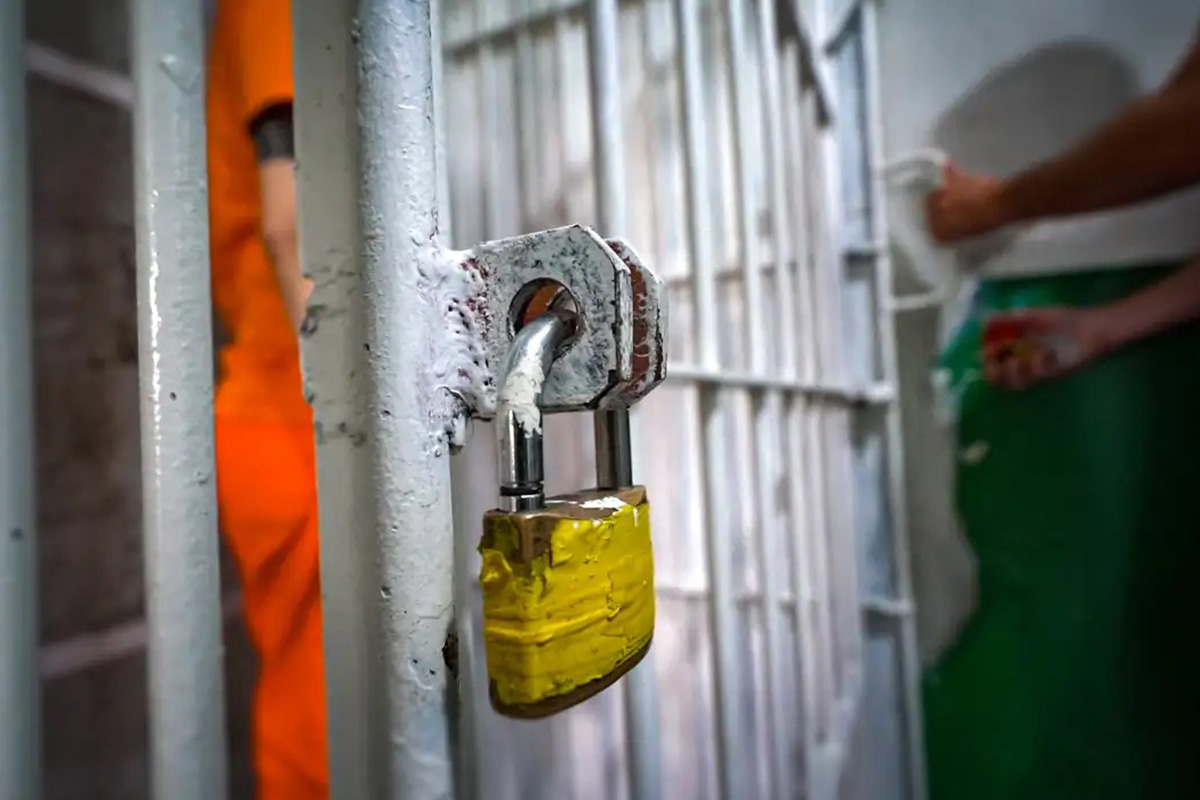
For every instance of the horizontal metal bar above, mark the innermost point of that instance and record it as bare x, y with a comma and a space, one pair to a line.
86, 651
73, 73
862, 251
873, 395
887, 607
914, 302
494, 31
786, 600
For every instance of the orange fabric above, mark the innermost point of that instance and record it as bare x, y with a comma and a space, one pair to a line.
266, 474
250, 68
266, 489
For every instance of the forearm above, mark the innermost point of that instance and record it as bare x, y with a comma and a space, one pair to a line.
293, 286
1148, 151
1171, 302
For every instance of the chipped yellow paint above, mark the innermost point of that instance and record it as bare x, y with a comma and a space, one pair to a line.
568, 598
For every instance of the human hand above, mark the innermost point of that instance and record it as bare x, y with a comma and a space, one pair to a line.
1027, 347
967, 205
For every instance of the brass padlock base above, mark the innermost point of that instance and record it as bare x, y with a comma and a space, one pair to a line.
568, 599
553, 705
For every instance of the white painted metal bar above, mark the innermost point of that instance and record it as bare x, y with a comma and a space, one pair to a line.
529, 131
877, 394
462, 702
732, 757
767, 410
327, 141
840, 25
408, 417
781, 222
183, 601
814, 434
614, 455
20, 690
800, 479
501, 26
63, 70
85, 651
839, 464
911, 665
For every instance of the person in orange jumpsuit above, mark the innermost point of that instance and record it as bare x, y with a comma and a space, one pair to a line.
266, 472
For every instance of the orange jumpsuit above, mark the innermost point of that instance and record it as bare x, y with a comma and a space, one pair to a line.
266, 478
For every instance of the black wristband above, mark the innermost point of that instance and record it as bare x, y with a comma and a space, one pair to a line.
273, 133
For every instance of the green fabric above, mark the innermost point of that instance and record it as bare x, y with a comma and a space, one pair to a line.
1077, 678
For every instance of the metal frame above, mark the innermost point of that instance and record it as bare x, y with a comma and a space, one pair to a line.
798, 388
183, 601
384, 424
612, 429
20, 690
860, 18
387, 549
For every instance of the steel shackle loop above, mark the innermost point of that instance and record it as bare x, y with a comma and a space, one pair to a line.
519, 408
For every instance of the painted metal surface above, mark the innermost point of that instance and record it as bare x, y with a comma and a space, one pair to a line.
526, 152
732, 754
612, 429
20, 694
330, 250
910, 669
598, 282
767, 410
410, 415
187, 725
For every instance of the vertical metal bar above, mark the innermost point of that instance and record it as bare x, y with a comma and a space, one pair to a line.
780, 223
786, 305
405, 440
719, 525
327, 194
462, 707
803, 502
183, 603
613, 435
911, 665
367, 131
20, 690
818, 373
768, 411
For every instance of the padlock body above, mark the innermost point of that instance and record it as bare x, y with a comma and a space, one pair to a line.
568, 598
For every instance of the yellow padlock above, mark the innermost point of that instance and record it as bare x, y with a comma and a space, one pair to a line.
568, 598
568, 582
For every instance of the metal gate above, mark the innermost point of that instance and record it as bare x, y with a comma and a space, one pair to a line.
732, 142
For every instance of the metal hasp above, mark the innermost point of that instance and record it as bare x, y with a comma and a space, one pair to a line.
183, 606
616, 355
20, 693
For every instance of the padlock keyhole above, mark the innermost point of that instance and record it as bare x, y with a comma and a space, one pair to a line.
538, 297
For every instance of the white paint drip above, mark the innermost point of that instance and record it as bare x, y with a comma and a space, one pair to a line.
611, 502
458, 358
520, 393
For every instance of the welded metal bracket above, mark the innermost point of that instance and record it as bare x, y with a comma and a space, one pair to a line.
617, 353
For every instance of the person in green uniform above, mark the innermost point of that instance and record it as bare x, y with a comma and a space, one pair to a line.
1149, 150
1077, 677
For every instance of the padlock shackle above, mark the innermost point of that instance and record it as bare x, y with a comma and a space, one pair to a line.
519, 408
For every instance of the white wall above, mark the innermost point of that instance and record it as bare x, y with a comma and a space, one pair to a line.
1007, 83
